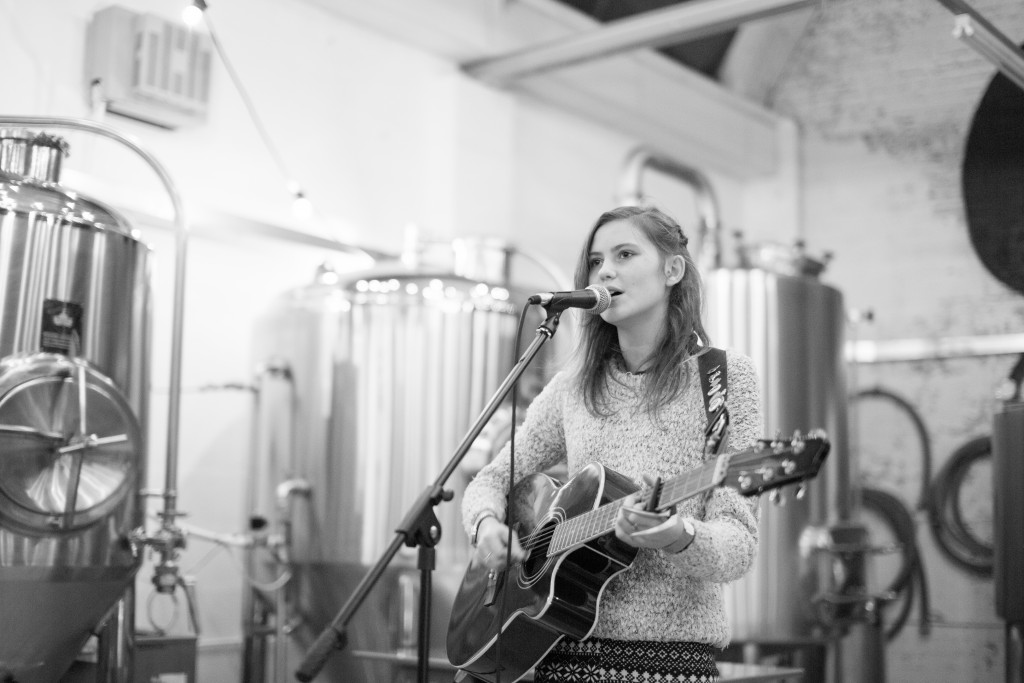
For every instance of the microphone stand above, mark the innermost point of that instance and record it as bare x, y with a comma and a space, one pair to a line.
419, 529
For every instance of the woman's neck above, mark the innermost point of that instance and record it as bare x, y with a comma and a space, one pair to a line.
635, 352
638, 339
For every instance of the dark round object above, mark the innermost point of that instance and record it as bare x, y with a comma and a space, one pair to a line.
993, 181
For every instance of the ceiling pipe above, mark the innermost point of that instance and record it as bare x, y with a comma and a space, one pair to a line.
972, 28
668, 26
631, 194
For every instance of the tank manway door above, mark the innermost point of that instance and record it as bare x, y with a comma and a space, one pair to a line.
68, 445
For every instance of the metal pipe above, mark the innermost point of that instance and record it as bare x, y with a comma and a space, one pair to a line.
897, 350
992, 45
285, 492
631, 193
671, 25
970, 26
170, 494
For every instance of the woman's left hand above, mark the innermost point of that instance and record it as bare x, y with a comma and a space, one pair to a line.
642, 529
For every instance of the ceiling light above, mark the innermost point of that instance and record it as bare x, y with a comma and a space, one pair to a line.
193, 13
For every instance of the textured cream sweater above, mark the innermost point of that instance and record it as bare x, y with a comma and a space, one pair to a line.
661, 597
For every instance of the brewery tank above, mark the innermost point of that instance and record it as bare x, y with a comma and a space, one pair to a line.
74, 354
774, 308
387, 370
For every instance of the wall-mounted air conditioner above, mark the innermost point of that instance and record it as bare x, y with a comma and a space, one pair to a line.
148, 68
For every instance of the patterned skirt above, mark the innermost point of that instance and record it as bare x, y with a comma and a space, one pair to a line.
601, 660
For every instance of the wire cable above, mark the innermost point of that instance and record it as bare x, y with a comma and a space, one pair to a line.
246, 100
293, 187
511, 480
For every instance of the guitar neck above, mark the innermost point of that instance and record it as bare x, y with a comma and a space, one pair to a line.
600, 521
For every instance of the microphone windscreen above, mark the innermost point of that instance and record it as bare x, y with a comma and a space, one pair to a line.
604, 299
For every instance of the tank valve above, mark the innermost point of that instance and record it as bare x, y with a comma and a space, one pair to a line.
167, 542
165, 576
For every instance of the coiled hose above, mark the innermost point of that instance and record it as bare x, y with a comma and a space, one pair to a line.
911, 576
911, 571
966, 550
954, 537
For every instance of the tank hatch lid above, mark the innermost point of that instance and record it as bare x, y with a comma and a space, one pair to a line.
32, 155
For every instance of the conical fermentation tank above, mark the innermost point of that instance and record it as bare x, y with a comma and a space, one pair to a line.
388, 370
774, 308
74, 336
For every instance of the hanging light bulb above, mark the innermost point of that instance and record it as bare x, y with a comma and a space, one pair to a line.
301, 206
193, 13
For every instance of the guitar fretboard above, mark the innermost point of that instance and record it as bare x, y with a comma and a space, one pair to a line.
596, 523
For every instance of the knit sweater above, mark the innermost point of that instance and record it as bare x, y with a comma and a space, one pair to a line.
662, 597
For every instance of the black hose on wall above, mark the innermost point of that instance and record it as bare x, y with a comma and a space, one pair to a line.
940, 499
911, 573
924, 499
911, 576
954, 537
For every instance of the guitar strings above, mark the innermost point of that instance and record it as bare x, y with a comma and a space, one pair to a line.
608, 511
604, 514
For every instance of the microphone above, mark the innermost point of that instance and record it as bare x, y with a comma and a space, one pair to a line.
594, 299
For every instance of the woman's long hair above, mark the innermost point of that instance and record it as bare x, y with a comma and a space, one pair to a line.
682, 335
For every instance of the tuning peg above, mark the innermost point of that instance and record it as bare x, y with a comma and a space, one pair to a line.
801, 491
797, 442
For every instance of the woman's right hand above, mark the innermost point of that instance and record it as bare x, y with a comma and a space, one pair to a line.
491, 544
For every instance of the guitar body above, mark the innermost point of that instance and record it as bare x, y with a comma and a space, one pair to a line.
546, 597
506, 622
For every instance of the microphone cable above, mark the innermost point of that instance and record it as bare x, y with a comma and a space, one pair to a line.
520, 326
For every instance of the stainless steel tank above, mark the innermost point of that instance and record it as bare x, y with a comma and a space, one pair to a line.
778, 312
388, 370
74, 352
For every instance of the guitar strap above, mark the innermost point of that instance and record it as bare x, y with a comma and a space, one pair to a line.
714, 382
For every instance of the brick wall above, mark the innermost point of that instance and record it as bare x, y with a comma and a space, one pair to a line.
885, 97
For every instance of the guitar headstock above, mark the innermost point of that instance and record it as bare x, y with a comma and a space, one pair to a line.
774, 463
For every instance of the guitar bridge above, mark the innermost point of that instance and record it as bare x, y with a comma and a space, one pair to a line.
491, 592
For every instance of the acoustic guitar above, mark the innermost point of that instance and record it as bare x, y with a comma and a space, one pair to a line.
508, 621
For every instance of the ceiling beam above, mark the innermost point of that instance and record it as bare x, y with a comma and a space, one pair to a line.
640, 94
671, 25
